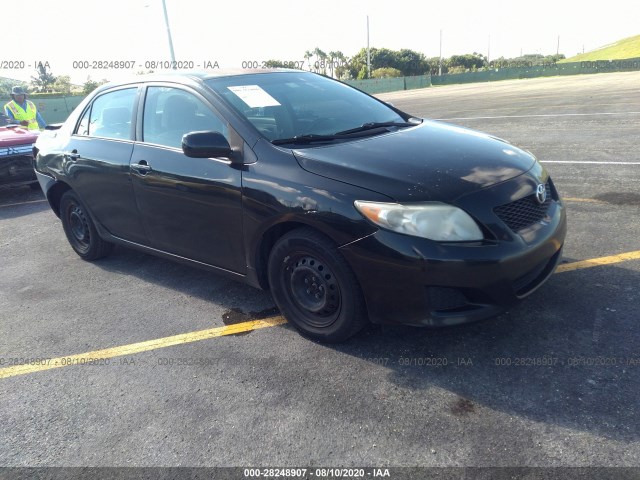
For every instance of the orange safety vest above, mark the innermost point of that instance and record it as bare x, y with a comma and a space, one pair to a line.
29, 115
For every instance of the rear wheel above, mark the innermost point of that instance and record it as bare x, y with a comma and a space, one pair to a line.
314, 287
80, 230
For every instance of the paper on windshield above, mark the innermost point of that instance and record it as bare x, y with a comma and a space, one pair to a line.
254, 96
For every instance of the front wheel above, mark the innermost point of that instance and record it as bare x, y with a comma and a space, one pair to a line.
314, 287
80, 230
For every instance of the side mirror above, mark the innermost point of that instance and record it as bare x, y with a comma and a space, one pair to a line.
206, 145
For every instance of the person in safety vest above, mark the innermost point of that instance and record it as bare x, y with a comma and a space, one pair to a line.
22, 111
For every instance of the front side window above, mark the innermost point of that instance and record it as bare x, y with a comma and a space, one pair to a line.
109, 116
169, 113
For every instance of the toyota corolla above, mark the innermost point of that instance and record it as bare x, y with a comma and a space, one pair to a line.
347, 209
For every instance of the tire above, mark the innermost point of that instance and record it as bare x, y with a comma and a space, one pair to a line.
80, 230
314, 287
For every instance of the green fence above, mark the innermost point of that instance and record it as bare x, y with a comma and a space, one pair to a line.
533, 71
382, 85
53, 108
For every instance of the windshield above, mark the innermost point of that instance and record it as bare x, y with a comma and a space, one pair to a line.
284, 105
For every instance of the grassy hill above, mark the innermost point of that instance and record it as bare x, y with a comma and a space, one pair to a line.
625, 48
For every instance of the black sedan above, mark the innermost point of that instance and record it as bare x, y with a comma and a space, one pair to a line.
347, 209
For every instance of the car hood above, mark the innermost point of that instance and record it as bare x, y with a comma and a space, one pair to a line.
431, 161
16, 136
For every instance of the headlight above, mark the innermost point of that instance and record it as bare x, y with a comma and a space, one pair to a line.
435, 221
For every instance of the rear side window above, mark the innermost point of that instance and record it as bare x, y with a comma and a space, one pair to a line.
109, 116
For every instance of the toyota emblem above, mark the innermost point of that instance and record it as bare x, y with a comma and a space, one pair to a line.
541, 194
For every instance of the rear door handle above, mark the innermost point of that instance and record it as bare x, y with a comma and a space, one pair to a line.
73, 155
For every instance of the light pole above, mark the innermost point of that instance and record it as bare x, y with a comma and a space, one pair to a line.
368, 51
166, 22
440, 64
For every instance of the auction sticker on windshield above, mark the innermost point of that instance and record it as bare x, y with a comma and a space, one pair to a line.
254, 96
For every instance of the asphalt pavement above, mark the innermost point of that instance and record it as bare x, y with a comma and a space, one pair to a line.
554, 382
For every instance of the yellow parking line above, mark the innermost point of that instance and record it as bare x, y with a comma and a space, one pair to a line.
597, 262
84, 358
584, 200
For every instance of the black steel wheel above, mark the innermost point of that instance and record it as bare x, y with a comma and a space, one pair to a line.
314, 287
80, 230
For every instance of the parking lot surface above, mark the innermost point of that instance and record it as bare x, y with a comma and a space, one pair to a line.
553, 382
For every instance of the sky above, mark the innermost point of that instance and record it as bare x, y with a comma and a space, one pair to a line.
72, 34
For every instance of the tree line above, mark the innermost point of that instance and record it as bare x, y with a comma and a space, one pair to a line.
385, 63
405, 62
45, 82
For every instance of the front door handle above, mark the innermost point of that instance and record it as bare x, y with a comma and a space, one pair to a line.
142, 167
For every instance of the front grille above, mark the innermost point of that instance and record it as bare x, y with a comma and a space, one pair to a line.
16, 165
17, 150
524, 212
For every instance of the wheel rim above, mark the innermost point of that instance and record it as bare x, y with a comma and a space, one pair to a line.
314, 290
79, 227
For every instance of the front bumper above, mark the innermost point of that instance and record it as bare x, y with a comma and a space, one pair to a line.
414, 281
16, 169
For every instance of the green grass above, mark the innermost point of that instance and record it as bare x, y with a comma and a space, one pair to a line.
625, 48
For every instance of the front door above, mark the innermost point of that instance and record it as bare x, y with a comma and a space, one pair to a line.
191, 207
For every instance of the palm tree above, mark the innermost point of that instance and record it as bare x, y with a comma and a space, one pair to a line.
333, 56
322, 57
307, 56
44, 80
342, 64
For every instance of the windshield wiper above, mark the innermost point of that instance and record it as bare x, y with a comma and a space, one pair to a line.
311, 137
375, 125
354, 132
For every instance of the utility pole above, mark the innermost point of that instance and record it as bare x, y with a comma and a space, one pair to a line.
368, 51
558, 47
166, 22
440, 65
489, 48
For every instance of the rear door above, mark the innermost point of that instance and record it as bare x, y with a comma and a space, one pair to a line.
191, 207
97, 162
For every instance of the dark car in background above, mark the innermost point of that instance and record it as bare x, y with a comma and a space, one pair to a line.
347, 209
16, 155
